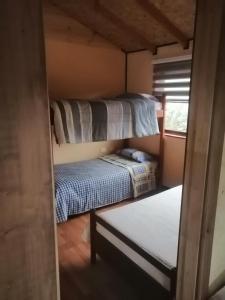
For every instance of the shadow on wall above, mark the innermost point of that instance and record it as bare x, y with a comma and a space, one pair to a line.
174, 155
67, 153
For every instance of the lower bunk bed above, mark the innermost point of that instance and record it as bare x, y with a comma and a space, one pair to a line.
141, 240
83, 186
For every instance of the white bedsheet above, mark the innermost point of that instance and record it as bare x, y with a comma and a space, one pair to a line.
152, 224
158, 105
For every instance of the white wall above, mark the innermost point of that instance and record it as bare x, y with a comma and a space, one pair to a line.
139, 71
67, 153
78, 70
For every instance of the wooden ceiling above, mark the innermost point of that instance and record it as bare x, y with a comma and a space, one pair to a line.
131, 24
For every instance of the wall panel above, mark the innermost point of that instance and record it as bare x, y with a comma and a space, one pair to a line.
27, 224
78, 70
217, 270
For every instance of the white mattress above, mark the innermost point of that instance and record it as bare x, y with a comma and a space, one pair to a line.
152, 224
158, 105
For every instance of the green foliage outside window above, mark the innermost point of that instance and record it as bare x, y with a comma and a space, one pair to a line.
176, 116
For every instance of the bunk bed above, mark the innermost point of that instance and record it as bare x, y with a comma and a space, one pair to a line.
126, 116
83, 186
141, 239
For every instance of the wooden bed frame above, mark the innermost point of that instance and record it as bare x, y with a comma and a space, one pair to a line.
160, 157
146, 285
161, 121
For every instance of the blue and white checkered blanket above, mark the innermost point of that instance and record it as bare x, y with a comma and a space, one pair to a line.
82, 186
86, 185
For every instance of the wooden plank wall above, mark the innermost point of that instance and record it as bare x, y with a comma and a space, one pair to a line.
203, 153
28, 268
214, 172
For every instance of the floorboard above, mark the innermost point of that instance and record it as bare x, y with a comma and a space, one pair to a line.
80, 280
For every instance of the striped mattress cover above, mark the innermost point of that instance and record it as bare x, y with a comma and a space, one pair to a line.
129, 116
86, 185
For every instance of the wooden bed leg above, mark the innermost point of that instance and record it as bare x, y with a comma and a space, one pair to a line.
162, 136
92, 234
173, 284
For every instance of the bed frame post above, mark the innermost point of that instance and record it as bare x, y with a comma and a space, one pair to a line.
162, 133
173, 283
204, 164
92, 234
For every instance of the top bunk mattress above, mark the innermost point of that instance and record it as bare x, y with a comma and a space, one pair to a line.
127, 116
152, 224
158, 105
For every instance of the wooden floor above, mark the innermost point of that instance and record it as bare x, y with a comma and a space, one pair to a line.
79, 279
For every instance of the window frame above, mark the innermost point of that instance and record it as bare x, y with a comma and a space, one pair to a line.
177, 134
169, 132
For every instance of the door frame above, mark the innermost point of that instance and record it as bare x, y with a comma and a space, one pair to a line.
204, 150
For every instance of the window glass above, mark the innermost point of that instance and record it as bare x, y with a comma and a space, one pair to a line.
176, 116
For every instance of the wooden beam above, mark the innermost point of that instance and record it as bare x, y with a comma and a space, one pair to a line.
28, 268
125, 73
156, 14
74, 15
129, 29
203, 153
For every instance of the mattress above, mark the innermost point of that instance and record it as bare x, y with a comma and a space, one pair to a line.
82, 186
100, 119
153, 225
158, 105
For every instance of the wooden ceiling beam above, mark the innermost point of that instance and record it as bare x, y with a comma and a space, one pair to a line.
76, 17
156, 14
130, 30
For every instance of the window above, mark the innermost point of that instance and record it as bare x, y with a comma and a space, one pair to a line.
173, 79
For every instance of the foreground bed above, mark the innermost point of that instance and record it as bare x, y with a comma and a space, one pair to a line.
86, 185
141, 239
